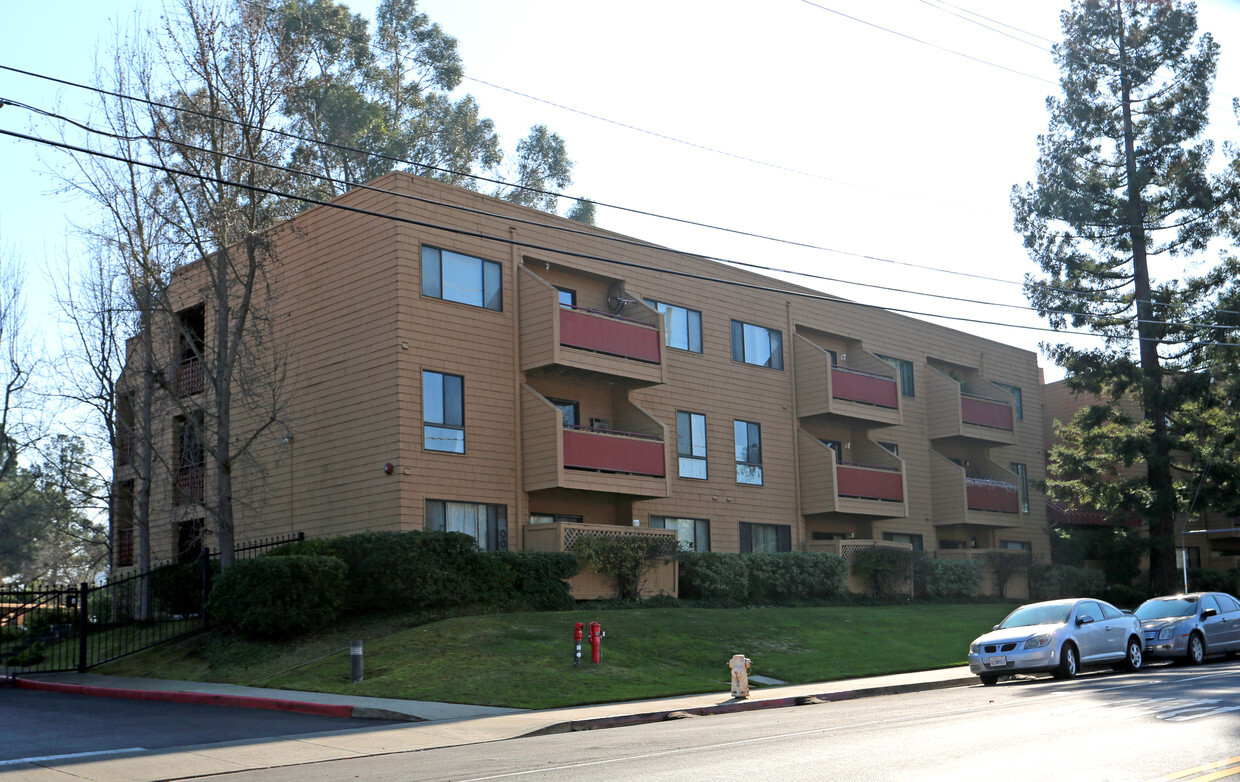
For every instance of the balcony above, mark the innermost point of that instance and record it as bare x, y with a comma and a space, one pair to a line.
190, 377
987, 495
588, 584
124, 446
827, 486
553, 335
630, 460
190, 488
956, 414
824, 388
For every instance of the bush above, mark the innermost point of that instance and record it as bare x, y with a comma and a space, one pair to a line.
278, 597
177, 589
884, 569
1202, 580
722, 579
1049, 582
948, 577
625, 558
534, 580
1006, 564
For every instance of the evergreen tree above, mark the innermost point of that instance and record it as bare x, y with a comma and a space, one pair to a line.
1122, 185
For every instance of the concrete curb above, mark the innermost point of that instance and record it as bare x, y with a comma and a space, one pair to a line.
734, 706
212, 699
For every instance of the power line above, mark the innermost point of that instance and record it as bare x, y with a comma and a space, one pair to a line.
560, 250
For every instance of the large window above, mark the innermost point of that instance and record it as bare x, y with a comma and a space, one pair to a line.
748, 452
905, 368
1022, 481
683, 326
443, 412
570, 412
487, 524
455, 277
1018, 405
693, 534
691, 444
900, 537
757, 345
190, 485
764, 538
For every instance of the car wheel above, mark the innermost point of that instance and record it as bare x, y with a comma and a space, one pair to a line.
1196, 650
988, 679
1132, 660
1068, 662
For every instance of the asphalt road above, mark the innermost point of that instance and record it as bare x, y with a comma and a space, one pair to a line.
43, 724
1102, 727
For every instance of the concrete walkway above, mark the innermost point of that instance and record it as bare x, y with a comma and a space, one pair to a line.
431, 726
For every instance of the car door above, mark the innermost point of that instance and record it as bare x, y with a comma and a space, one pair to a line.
1091, 632
1215, 628
1229, 609
1118, 628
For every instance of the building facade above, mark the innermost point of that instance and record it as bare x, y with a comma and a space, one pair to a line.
452, 361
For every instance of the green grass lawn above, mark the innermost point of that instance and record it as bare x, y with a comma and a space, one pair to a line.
525, 660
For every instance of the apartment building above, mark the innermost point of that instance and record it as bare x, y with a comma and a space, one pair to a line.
452, 361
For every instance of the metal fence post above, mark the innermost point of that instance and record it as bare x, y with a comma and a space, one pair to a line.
83, 622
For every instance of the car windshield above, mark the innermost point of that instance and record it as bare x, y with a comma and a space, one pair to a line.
1166, 609
1025, 616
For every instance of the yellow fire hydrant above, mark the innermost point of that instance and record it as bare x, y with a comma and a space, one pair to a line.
740, 675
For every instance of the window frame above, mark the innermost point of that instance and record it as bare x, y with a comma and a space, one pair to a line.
701, 531
753, 439
490, 273
692, 455
1018, 405
745, 536
1022, 484
692, 326
495, 537
741, 338
916, 540
905, 372
564, 406
443, 425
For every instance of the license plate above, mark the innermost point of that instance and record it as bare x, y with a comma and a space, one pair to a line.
996, 661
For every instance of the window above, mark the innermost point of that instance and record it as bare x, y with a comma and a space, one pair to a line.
691, 444
748, 452
570, 411
1194, 557
693, 534
838, 447
905, 368
462, 278
1022, 482
893, 447
756, 345
1089, 609
683, 326
1016, 545
1227, 604
122, 523
189, 540
443, 412
1018, 408
191, 340
190, 485
764, 538
549, 518
568, 297
816, 535
487, 524
900, 537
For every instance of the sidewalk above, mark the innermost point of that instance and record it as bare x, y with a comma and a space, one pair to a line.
431, 726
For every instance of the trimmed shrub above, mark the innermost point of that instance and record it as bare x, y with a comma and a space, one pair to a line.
1202, 580
534, 580
948, 577
177, 589
883, 569
722, 579
1049, 582
278, 597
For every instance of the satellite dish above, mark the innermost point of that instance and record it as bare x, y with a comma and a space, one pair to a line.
616, 300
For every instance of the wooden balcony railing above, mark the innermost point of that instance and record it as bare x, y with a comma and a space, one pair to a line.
190, 485
853, 385
984, 411
994, 496
612, 451
190, 377
869, 482
602, 333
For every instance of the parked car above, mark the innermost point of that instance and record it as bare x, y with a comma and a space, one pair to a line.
1059, 637
1186, 628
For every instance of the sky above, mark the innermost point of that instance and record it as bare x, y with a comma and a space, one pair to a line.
872, 144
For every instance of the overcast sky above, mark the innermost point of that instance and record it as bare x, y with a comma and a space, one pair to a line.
889, 131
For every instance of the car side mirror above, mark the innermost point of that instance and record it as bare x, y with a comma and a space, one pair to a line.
1209, 612
1084, 620
996, 627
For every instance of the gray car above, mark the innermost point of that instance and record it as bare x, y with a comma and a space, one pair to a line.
1060, 637
1186, 628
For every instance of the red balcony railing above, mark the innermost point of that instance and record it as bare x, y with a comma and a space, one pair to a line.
854, 386
190, 377
871, 483
593, 449
590, 330
983, 411
190, 485
994, 496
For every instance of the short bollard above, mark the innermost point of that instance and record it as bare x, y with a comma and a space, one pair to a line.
355, 662
740, 675
577, 633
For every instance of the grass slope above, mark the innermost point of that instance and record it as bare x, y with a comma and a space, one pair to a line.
525, 660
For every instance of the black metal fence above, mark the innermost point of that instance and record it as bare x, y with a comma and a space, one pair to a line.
48, 629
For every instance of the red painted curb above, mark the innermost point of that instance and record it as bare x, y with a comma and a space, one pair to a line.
211, 699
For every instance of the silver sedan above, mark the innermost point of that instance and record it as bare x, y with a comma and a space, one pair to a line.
1058, 636
1188, 627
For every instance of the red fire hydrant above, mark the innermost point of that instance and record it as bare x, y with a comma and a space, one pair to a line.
577, 633
596, 640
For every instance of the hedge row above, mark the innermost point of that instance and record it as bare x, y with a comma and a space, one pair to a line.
742, 579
